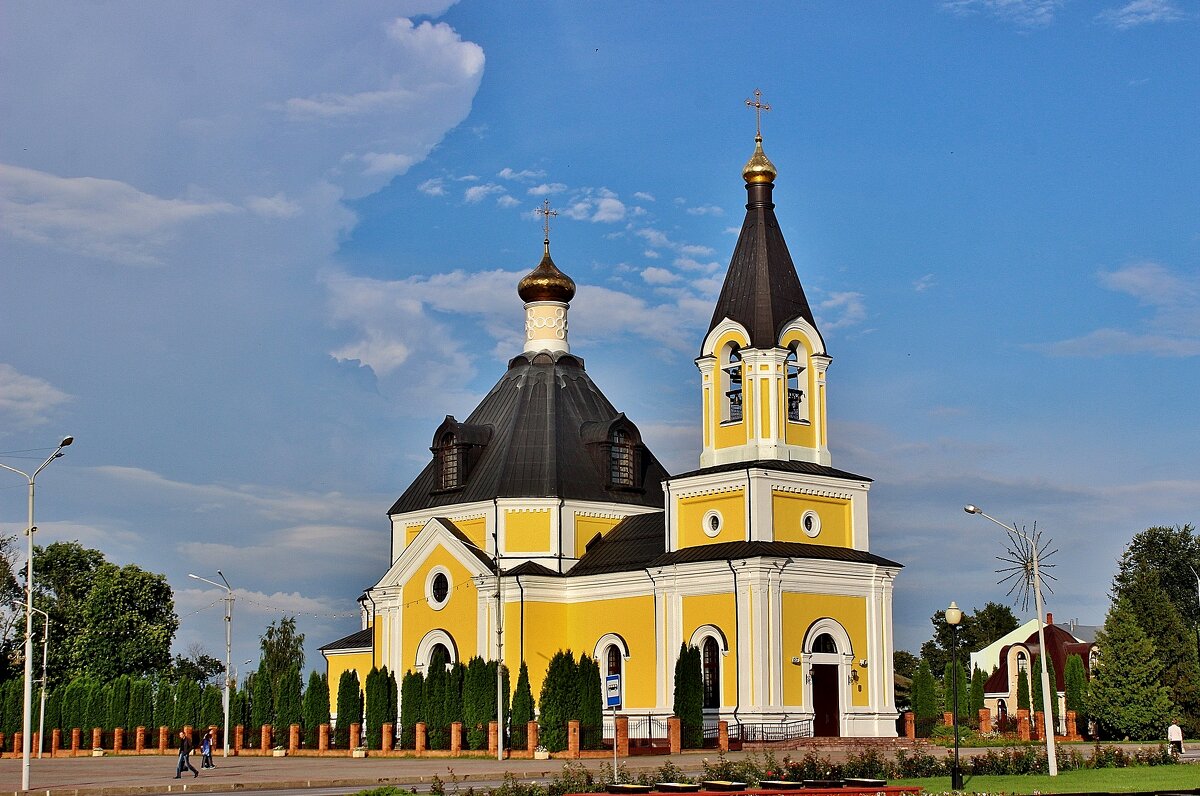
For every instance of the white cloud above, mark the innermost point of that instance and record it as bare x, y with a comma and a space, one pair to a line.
27, 400
691, 250
277, 206
705, 210
842, 309
106, 219
651, 254
643, 196
1022, 13
435, 186
547, 188
524, 174
659, 276
387, 163
1172, 328
507, 201
477, 193
924, 283
1140, 12
602, 208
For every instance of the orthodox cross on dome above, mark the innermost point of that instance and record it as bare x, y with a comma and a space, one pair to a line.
759, 106
545, 211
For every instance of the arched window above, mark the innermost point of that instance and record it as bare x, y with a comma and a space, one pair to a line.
450, 459
620, 458
824, 643
1022, 662
711, 671
796, 399
437, 650
612, 664
731, 384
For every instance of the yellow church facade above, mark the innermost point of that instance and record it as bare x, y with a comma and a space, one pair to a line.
542, 522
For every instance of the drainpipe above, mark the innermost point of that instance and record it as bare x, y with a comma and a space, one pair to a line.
522, 631
737, 634
654, 601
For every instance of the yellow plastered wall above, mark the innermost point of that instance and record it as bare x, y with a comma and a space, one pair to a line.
550, 627
459, 616
799, 612
411, 531
527, 531
717, 610
729, 434
691, 511
788, 508
587, 527
803, 434
338, 662
474, 529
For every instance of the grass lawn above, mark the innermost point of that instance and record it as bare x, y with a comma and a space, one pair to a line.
1112, 780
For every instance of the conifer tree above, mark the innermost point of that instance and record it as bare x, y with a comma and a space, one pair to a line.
924, 698
54, 711
437, 680
1127, 698
1075, 682
557, 701
349, 707
688, 704
453, 710
10, 708
97, 706
376, 705
288, 705
522, 710
164, 703
591, 702
475, 714
118, 703
1022, 690
316, 707
412, 707
141, 705
212, 709
976, 700
262, 702
392, 716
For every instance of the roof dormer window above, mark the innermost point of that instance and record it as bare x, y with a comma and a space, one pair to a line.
620, 458
449, 454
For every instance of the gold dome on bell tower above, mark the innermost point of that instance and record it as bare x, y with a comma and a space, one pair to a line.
546, 282
759, 168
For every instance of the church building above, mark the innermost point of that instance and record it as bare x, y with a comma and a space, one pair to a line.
542, 522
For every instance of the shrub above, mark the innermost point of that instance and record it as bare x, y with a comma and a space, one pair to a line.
522, 709
316, 707
349, 707
412, 707
557, 701
689, 697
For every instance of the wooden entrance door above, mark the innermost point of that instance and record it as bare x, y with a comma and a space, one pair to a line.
826, 710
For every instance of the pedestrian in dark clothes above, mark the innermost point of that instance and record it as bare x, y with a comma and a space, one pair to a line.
206, 746
185, 749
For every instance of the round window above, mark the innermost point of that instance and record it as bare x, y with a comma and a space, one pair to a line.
712, 523
811, 523
437, 588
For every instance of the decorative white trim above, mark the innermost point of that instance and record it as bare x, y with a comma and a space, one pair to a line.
810, 523
606, 641
707, 348
429, 579
811, 491
705, 631
426, 644
712, 523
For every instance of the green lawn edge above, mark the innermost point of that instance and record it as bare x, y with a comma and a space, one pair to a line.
1091, 780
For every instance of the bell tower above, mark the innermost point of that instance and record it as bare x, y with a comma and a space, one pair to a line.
763, 361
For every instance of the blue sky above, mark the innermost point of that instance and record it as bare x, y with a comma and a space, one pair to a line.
253, 253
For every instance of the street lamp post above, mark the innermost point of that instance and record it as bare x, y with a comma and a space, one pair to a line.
953, 617
1048, 725
30, 529
228, 600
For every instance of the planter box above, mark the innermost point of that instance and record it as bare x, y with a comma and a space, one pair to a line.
97, 753
541, 755
359, 753
862, 782
628, 787
279, 753
780, 784
723, 785
676, 787
823, 783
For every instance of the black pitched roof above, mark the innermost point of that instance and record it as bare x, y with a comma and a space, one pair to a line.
358, 640
761, 290
532, 568
807, 468
537, 413
638, 542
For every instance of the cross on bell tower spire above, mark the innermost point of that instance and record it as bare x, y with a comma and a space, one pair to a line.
759, 106
546, 213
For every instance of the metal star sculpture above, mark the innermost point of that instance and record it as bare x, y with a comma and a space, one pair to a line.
1019, 556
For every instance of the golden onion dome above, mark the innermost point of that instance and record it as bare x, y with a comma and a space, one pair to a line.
759, 168
546, 282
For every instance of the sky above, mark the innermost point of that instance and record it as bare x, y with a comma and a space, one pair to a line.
253, 253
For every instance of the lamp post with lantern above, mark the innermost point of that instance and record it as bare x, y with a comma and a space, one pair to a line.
954, 616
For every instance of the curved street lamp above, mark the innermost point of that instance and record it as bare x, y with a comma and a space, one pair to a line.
30, 529
228, 600
1047, 714
954, 615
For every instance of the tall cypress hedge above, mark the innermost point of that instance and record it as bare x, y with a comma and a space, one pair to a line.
924, 699
557, 701
689, 697
316, 707
522, 709
1022, 690
376, 706
164, 703
262, 702
437, 680
475, 692
393, 709
591, 702
1076, 691
288, 701
412, 707
349, 707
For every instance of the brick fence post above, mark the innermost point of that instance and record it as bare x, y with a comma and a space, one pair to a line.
162, 740
674, 735
264, 740
139, 740
621, 735
1039, 726
531, 736
985, 720
55, 742
323, 738
1072, 728
422, 738
293, 738
118, 738
493, 738
18, 747
910, 725
239, 738
355, 735
456, 735
722, 736
1023, 725
389, 737
76, 739
97, 738
573, 738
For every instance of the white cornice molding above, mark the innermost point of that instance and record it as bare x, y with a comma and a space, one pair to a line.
726, 325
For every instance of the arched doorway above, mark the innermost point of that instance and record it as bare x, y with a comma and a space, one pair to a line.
827, 658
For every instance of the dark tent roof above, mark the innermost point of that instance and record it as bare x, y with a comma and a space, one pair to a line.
761, 289
639, 542
537, 413
1062, 645
355, 641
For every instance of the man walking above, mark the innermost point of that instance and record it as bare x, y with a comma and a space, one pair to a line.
1175, 737
185, 749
